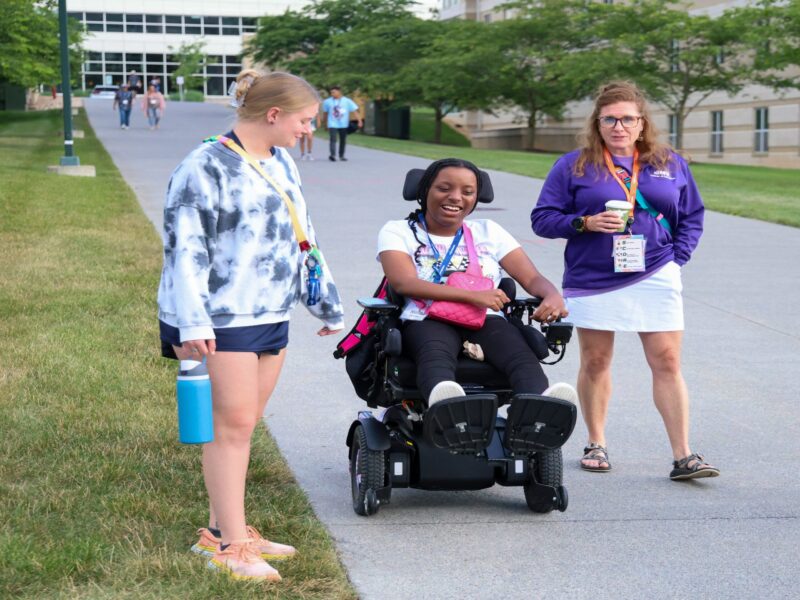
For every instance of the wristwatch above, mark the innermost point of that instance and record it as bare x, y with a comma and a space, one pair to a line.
579, 224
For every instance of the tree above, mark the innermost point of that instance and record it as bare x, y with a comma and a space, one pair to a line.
445, 66
772, 32
29, 43
681, 58
552, 52
191, 59
293, 40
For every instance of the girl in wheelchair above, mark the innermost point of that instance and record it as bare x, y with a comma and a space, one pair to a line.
419, 253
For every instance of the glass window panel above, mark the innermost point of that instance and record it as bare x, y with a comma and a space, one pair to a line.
134, 18
233, 69
155, 68
174, 29
78, 16
214, 69
94, 16
230, 31
94, 56
192, 20
214, 86
172, 68
134, 28
249, 23
114, 27
210, 20
173, 19
115, 56
151, 58
94, 66
94, 26
154, 18
114, 67
191, 30
114, 17
171, 58
133, 57
214, 58
233, 59
230, 21
211, 30
154, 29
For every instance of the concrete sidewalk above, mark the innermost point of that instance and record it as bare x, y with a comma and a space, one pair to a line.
631, 533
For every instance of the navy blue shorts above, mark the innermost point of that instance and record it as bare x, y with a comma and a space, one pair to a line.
261, 339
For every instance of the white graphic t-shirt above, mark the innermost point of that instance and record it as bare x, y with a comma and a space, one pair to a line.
492, 244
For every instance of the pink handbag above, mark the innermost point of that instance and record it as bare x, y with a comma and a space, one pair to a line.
461, 314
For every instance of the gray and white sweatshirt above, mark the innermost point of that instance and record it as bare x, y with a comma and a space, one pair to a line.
231, 258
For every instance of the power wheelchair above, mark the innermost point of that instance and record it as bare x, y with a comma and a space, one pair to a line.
459, 443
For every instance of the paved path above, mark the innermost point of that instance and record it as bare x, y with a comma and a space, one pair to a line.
628, 534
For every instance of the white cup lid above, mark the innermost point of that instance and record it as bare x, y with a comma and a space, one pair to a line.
618, 205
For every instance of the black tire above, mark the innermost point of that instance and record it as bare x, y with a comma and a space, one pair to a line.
367, 472
547, 466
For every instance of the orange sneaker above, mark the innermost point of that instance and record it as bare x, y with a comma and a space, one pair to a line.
208, 545
270, 550
242, 560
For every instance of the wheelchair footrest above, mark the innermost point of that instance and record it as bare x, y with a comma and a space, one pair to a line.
538, 422
464, 424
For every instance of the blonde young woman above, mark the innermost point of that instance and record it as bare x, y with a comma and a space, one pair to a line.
233, 271
626, 280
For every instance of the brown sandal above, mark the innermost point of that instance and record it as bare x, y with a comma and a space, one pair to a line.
596, 452
693, 466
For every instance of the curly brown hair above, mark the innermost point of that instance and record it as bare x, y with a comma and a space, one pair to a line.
651, 150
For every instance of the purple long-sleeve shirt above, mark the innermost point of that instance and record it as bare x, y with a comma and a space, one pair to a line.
588, 263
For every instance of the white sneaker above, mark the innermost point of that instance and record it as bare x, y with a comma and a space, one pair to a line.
444, 390
309, 157
562, 391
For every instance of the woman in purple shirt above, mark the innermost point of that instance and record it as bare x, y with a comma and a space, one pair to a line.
622, 271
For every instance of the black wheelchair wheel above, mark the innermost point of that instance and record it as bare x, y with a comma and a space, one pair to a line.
547, 466
367, 472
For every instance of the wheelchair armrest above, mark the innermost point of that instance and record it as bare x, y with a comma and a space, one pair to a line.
377, 305
533, 301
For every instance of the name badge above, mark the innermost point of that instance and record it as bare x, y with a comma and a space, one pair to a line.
628, 253
415, 310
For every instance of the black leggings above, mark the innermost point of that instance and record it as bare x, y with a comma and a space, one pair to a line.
434, 346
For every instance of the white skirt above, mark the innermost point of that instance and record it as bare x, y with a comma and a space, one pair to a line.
653, 304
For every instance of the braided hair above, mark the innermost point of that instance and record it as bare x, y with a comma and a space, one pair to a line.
425, 186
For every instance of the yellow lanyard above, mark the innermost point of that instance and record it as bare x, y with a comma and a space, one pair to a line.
630, 193
305, 246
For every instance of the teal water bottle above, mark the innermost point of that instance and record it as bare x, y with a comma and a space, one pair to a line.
195, 421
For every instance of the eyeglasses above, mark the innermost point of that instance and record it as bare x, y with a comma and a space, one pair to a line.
628, 121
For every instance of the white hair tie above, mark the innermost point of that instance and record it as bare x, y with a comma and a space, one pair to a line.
239, 102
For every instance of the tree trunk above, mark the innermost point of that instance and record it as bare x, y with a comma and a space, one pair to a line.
437, 130
680, 117
532, 130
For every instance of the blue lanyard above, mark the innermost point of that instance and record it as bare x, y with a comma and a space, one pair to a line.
438, 273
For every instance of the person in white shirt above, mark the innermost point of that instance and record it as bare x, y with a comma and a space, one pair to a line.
337, 111
411, 251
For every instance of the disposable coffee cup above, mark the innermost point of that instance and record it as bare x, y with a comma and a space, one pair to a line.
622, 208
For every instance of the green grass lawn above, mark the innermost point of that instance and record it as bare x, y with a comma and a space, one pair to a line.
97, 498
756, 192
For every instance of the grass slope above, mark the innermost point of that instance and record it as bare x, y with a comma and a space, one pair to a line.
97, 498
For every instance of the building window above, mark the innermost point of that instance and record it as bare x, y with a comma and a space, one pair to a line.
174, 24
154, 23
191, 25
133, 23
114, 22
248, 24
762, 129
716, 132
673, 130
231, 26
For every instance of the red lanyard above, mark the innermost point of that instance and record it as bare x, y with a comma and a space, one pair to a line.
630, 193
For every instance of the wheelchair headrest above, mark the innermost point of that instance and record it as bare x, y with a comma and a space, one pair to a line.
414, 177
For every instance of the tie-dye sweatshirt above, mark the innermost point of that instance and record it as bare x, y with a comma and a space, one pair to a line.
231, 258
